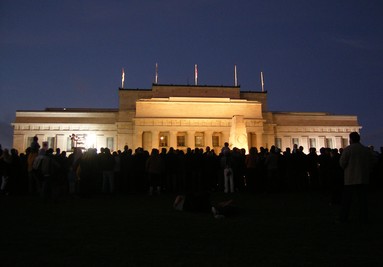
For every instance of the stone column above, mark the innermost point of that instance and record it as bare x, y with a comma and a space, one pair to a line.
286, 142
208, 139
305, 144
138, 140
42, 139
225, 137
173, 139
259, 137
61, 141
100, 142
19, 144
190, 139
322, 142
338, 142
155, 139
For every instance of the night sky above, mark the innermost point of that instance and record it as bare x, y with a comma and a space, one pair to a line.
324, 56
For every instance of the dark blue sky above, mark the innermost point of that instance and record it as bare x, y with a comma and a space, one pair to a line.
315, 55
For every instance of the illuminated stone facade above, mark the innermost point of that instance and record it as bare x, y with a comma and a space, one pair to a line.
182, 116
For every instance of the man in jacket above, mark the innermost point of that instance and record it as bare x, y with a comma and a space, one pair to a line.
357, 161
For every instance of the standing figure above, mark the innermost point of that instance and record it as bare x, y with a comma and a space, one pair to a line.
357, 161
226, 163
154, 169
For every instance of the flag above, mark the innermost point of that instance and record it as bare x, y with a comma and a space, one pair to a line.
156, 78
195, 74
235, 76
262, 82
122, 78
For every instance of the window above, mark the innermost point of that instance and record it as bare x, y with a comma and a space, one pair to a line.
181, 141
215, 141
278, 142
329, 143
110, 143
312, 142
51, 142
29, 141
163, 140
296, 141
199, 141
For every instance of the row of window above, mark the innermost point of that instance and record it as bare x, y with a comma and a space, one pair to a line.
82, 141
199, 140
312, 142
85, 141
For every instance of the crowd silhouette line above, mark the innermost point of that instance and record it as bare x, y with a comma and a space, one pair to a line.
53, 174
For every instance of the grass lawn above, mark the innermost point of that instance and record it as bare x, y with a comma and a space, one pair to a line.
138, 230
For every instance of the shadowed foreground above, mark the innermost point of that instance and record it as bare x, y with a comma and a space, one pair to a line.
138, 230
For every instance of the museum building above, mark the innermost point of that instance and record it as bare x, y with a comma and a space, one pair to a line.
182, 116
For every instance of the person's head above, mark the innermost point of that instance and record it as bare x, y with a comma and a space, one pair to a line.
49, 152
354, 138
155, 152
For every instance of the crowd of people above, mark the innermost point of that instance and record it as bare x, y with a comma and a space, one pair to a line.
52, 174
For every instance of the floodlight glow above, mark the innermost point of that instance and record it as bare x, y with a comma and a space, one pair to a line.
91, 141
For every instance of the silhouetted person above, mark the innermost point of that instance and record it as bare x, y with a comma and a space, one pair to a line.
312, 168
336, 178
154, 169
272, 165
5, 171
324, 161
49, 168
126, 182
35, 146
357, 161
252, 162
87, 172
171, 171
107, 164
226, 164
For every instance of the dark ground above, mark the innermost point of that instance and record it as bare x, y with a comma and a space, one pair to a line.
138, 230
